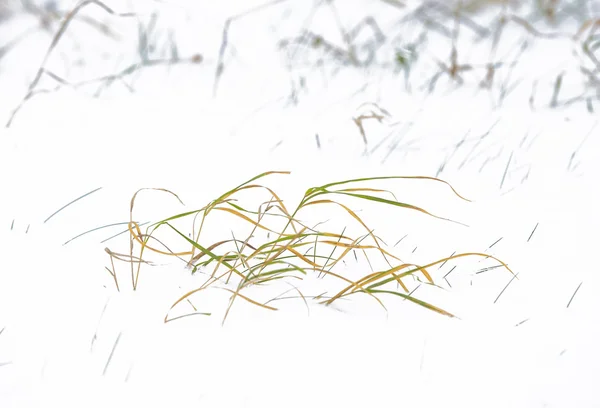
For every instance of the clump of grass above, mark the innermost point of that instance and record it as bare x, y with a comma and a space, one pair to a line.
291, 250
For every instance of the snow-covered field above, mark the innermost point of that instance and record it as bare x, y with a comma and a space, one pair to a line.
198, 97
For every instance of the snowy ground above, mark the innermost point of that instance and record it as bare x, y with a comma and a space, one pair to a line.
524, 149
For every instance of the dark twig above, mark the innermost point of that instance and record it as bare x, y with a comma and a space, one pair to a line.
531, 235
112, 352
498, 240
574, 293
506, 170
509, 282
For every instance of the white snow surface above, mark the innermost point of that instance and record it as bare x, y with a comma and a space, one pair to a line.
68, 338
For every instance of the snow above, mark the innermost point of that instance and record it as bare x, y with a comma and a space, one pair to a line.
69, 339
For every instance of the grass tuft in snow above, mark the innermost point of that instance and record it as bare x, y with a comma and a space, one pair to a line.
290, 251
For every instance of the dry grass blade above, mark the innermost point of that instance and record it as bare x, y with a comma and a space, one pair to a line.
417, 301
392, 178
142, 239
245, 218
395, 203
355, 245
135, 275
237, 293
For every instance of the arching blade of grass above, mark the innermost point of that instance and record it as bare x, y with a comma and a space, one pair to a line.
415, 300
93, 230
247, 299
280, 297
181, 299
245, 218
167, 319
325, 186
272, 204
267, 173
72, 202
371, 190
375, 276
390, 202
137, 236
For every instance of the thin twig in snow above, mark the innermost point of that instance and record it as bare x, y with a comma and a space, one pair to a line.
531, 235
112, 352
509, 282
574, 293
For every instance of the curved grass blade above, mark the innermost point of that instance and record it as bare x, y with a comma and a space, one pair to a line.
417, 301
393, 178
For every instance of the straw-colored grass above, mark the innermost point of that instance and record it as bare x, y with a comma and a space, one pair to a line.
291, 250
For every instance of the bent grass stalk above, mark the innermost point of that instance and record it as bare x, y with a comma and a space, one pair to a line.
296, 249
